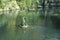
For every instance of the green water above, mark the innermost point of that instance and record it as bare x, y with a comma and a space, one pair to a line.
38, 27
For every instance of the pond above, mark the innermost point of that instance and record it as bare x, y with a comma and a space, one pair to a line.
39, 27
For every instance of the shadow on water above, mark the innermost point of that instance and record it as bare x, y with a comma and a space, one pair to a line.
3, 31
56, 22
55, 18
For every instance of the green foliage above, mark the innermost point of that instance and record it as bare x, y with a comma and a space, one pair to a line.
1, 4
23, 3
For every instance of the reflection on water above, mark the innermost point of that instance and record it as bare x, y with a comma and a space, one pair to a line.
40, 27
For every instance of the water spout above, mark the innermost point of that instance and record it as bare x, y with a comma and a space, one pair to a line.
24, 23
23, 20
